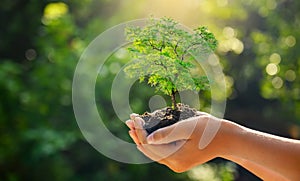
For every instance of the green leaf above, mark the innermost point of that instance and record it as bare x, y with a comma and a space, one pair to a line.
162, 49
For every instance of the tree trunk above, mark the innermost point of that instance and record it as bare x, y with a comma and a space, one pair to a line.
173, 97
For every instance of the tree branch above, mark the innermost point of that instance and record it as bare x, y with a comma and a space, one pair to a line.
185, 51
161, 64
175, 49
154, 47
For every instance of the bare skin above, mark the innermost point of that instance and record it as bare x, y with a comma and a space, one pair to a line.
267, 156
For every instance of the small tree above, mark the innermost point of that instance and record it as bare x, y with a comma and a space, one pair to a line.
162, 52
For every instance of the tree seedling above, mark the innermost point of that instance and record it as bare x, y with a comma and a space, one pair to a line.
162, 51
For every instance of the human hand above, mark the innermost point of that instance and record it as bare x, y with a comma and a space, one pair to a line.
176, 146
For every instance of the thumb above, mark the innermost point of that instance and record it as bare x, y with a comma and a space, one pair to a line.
179, 131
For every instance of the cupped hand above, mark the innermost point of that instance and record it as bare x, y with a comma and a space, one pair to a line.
176, 146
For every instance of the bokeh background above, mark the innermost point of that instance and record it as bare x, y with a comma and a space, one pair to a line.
41, 42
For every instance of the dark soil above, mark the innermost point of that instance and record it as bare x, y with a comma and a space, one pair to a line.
167, 116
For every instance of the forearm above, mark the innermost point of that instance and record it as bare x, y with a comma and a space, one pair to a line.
260, 171
277, 154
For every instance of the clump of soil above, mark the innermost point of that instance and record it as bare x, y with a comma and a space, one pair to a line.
167, 116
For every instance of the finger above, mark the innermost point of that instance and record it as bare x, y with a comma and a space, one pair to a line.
161, 152
148, 153
140, 132
165, 150
133, 115
134, 137
179, 131
130, 124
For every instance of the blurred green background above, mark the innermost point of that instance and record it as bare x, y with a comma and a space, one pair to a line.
40, 45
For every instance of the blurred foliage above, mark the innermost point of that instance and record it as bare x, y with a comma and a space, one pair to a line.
41, 42
213, 172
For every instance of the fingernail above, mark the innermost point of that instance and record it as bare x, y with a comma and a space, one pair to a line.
133, 115
127, 122
130, 132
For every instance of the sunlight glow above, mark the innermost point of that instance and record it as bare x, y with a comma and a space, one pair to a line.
272, 69
277, 82
290, 41
53, 11
203, 172
275, 58
229, 32
232, 44
271, 4
290, 75
222, 3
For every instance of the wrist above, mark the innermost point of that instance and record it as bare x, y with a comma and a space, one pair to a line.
226, 138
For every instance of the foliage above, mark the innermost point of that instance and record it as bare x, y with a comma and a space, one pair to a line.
276, 50
213, 172
162, 52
